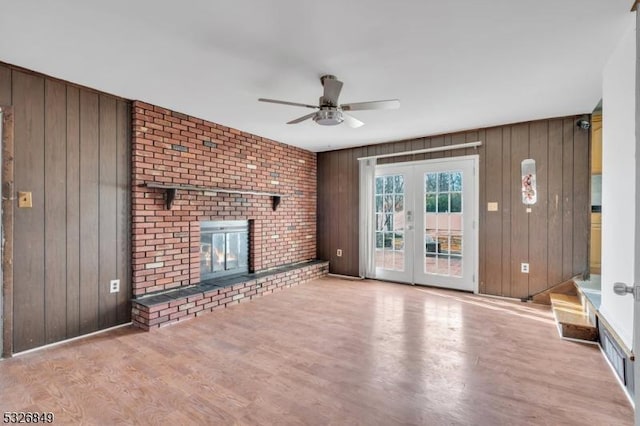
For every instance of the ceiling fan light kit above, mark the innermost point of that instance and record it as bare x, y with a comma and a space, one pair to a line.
330, 113
328, 117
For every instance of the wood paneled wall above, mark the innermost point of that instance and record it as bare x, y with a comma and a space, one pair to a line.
72, 152
553, 238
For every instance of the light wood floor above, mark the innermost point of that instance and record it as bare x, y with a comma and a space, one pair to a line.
328, 352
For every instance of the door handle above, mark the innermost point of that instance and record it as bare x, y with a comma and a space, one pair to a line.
621, 289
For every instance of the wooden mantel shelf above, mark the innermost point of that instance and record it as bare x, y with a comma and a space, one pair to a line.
172, 190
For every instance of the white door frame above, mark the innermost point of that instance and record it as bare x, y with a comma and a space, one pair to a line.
475, 204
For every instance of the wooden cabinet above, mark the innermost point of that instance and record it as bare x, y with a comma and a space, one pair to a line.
596, 243
596, 218
596, 145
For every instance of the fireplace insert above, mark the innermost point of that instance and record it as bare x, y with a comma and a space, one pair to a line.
224, 248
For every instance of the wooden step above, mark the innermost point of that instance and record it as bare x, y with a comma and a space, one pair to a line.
573, 322
566, 287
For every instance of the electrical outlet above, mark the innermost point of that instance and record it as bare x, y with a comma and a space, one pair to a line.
24, 200
114, 286
524, 268
339, 252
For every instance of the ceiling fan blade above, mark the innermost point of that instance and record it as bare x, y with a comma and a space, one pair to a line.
274, 101
359, 106
332, 88
301, 119
352, 121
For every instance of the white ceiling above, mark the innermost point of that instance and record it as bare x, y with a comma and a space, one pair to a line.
454, 65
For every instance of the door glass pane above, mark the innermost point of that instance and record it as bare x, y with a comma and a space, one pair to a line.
388, 185
390, 217
442, 265
388, 240
398, 184
379, 185
379, 222
443, 243
443, 202
455, 265
388, 203
388, 222
398, 251
398, 241
431, 182
443, 182
399, 203
379, 240
431, 203
456, 202
443, 237
455, 181
456, 245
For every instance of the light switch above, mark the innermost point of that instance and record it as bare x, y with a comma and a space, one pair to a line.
492, 207
24, 200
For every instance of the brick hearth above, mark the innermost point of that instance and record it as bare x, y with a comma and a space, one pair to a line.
155, 311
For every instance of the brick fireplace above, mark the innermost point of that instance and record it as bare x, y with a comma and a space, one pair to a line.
224, 248
171, 148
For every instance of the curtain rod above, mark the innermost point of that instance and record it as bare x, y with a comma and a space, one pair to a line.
425, 150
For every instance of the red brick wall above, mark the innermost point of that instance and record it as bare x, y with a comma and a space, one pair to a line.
169, 147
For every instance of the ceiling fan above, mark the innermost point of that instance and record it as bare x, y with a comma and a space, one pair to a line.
329, 112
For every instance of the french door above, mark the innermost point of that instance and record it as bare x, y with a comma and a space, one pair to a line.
424, 224
393, 210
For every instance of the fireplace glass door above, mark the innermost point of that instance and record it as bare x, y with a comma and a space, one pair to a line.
224, 248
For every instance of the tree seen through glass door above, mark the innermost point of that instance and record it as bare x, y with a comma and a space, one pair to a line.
390, 226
